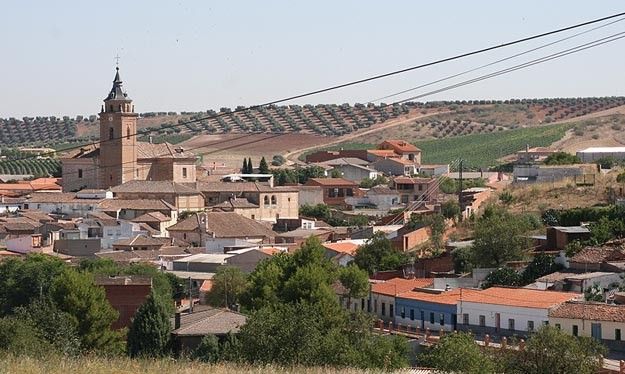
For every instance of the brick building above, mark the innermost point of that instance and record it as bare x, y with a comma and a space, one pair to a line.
125, 294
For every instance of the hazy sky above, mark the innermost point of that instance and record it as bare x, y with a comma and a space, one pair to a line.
58, 56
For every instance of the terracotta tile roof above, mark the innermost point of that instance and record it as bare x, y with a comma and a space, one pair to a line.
59, 197
123, 280
37, 216
207, 285
220, 186
211, 321
109, 205
330, 182
411, 180
397, 160
446, 297
400, 146
137, 186
270, 250
235, 203
382, 152
345, 247
224, 225
519, 297
394, 286
589, 311
152, 217
141, 240
162, 150
610, 251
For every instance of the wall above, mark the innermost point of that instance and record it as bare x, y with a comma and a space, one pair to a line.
74, 209
448, 312
77, 247
24, 244
520, 315
311, 195
71, 180
247, 261
379, 299
354, 173
193, 203
286, 206
126, 299
412, 239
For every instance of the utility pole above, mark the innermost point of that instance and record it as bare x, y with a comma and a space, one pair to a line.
190, 297
460, 202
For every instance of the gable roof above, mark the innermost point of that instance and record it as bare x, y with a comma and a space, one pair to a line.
589, 311
224, 225
138, 186
342, 247
411, 180
382, 152
152, 217
112, 205
162, 150
520, 297
394, 286
610, 251
450, 297
141, 240
330, 182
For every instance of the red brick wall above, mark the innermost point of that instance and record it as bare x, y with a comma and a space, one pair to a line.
126, 299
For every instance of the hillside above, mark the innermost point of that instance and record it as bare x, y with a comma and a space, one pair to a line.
461, 118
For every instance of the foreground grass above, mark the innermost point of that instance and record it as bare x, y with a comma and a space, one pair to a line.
124, 365
483, 150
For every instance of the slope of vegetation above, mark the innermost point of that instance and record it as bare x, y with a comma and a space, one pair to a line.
483, 150
39, 167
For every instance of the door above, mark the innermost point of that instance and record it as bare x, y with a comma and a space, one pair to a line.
454, 322
497, 321
422, 320
595, 331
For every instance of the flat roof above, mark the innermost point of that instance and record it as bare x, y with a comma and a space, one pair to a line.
572, 229
603, 150
218, 258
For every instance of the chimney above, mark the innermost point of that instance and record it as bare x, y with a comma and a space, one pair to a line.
150, 137
177, 321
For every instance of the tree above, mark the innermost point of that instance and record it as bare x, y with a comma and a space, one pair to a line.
250, 166
355, 281
504, 276
499, 237
436, 223
450, 209
227, 286
550, 350
75, 294
19, 337
562, 158
593, 293
245, 168
150, 330
208, 350
368, 182
263, 168
542, 264
378, 254
457, 353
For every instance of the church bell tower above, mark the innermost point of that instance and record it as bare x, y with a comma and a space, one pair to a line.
118, 137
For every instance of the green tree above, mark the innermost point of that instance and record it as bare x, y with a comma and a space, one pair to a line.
244, 169
436, 223
19, 337
208, 350
263, 168
378, 254
336, 173
368, 182
562, 158
499, 237
504, 276
593, 293
550, 350
355, 281
150, 330
542, 264
227, 286
250, 166
450, 209
75, 294
457, 353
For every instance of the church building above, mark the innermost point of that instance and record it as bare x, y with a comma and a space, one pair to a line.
118, 157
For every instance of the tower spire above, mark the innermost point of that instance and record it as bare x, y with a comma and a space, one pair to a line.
117, 92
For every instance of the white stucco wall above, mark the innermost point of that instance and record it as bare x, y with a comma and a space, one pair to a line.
521, 315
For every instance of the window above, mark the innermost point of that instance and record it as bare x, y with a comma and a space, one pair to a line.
511, 324
530, 325
369, 305
349, 192
482, 321
266, 200
79, 173
184, 172
545, 323
465, 319
442, 319
253, 216
128, 132
558, 326
575, 330
431, 317
111, 133
390, 309
412, 314
383, 309
184, 236
375, 306
420, 187
617, 334
403, 312
274, 201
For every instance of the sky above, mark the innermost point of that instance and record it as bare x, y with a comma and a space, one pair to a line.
58, 57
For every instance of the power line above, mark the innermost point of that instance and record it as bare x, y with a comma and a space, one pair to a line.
498, 61
380, 76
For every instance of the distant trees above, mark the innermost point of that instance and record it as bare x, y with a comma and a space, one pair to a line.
150, 331
368, 182
378, 254
263, 168
227, 286
562, 158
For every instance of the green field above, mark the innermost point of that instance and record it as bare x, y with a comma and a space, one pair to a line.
483, 150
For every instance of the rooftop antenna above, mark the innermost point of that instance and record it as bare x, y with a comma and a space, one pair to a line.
117, 61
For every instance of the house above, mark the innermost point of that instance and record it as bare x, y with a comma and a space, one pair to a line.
197, 228
342, 252
335, 190
351, 168
603, 322
433, 170
381, 299
255, 200
533, 155
558, 237
310, 195
24, 187
201, 262
532, 173
406, 238
323, 156
11, 204
395, 166
507, 310
403, 149
415, 189
126, 294
25, 244
247, 259
163, 257
132, 208
577, 282
140, 242
189, 328
380, 197
184, 198
297, 237
593, 154
157, 221
67, 204
429, 308
608, 257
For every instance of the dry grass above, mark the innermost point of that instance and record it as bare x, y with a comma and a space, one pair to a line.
122, 365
